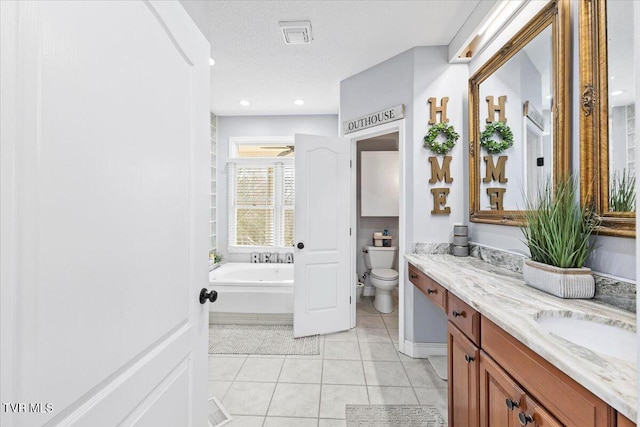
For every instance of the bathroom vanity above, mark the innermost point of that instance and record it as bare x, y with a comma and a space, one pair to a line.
507, 369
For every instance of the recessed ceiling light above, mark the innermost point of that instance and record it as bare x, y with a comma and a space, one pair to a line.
617, 92
212, 61
299, 102
245, 103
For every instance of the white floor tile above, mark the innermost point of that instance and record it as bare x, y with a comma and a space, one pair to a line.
225, 368
422, 375
433, 396
260, 370
250, 398
391, 322
394, 334
301, 371
373, 335
341, 350
329, 422
295, 400
348, 372
385, 374
369, 322
290, 422
378, 351
349, 335
245, 421
391, 395
335, 398
218, 389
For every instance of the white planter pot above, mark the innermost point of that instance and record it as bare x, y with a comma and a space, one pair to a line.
561, 282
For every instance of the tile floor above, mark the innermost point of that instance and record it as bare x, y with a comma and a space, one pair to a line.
360, 366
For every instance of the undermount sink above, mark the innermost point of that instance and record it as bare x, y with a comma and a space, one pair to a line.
599, 334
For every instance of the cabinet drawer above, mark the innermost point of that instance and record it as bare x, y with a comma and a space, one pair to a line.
568, 401
464, 317
625, 422
436, 293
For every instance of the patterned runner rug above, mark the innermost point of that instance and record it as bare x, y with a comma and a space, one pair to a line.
393, 415
260, 339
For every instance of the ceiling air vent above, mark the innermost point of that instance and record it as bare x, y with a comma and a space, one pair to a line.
296, 32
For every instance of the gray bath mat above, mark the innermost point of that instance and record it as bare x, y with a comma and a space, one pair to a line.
259, 339
439, 364
393, 415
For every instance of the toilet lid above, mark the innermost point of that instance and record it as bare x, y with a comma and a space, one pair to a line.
384, 273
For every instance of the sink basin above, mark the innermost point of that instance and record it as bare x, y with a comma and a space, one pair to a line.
599, 334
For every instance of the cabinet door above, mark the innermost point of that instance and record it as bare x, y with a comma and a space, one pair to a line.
500, 397
463, 379
534, 415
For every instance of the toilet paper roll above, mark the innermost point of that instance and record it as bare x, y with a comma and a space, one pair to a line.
461, 240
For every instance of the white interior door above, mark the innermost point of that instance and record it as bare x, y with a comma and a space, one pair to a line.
104, 151
322, 286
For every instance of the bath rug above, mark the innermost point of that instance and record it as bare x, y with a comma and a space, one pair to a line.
439, 364
260, 339
393, 415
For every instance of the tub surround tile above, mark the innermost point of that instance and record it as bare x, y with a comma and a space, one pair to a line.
502, 297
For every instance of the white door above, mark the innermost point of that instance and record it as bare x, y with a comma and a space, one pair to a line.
322, 286
104, 151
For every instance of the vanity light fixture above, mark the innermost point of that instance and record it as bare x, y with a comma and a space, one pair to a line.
299, 102
245, 103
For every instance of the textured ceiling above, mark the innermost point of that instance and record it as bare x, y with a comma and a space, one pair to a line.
253, 63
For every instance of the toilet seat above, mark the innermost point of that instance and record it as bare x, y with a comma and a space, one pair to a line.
384, 274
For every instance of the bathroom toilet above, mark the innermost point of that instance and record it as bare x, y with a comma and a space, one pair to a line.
380, 262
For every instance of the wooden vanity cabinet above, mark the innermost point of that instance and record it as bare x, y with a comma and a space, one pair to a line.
436, 293
463, 379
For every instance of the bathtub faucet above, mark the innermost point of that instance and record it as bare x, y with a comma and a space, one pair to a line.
272, 258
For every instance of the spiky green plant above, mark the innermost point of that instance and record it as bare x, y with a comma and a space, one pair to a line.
558, 229
622, 192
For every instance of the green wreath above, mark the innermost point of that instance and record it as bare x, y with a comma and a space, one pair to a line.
440, 129
490, 144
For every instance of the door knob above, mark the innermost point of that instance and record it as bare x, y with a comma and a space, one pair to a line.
205, 295
300, 245
525, 418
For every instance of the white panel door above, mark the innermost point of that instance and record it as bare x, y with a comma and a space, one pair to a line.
322, 286
104, 175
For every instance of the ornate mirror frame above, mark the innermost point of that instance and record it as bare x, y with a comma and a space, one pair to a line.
556, 15
594, 117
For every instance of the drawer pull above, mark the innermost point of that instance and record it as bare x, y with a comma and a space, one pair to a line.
525, 418
432, 291
468, 358
456, 313
413, 276
511, 404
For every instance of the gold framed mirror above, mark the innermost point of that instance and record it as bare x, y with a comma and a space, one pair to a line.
524, 86
607, 113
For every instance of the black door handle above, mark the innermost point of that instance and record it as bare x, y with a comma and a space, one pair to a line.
300, 245
205, 295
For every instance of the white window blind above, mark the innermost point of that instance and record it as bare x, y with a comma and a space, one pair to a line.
261, 204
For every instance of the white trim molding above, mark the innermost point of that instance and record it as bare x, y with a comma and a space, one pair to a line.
422, 350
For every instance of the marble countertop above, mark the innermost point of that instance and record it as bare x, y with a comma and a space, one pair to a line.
501, 296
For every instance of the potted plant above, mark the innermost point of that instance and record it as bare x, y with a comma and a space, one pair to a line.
558, 233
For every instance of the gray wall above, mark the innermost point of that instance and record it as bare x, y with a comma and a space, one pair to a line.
242, 126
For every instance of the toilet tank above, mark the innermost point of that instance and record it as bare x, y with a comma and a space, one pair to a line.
380, 256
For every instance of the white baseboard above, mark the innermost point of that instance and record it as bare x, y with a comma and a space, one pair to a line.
250, 319
422, 350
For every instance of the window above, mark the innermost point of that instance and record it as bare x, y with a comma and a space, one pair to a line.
261, 193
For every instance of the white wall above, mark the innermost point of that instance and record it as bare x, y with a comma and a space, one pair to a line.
239, 126
410, 78
198, 10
